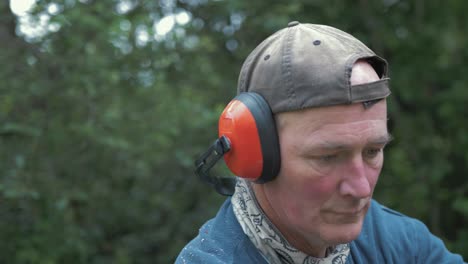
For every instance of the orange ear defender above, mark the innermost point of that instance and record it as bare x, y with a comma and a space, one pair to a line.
248, 141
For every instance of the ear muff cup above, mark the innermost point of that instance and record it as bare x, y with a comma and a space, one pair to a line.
248, 123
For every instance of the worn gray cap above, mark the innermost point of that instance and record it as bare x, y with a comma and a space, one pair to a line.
307, 65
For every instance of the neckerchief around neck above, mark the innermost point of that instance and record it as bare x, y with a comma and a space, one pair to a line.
267, 238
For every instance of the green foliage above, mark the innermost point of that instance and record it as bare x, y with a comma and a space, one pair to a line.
99, 128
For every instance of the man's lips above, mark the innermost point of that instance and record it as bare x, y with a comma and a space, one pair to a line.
351, 209
349, 212
345, 215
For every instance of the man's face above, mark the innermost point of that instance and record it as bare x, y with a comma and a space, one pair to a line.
331, 158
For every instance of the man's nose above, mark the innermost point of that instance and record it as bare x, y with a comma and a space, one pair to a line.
355, 182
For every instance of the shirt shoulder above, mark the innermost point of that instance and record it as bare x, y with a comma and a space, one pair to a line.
389, 236
220, 240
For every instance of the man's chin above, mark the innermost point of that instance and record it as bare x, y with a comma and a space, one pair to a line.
343, 233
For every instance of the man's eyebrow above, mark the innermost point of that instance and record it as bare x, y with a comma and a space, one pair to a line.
326, 145
383, 140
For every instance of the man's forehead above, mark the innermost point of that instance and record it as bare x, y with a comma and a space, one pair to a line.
341, 136
320, 116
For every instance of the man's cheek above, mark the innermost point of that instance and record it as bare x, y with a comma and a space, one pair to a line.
318, 189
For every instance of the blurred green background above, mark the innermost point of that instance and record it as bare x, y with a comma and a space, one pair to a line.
105, 104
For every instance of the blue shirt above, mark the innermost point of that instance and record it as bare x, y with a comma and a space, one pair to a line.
386, 237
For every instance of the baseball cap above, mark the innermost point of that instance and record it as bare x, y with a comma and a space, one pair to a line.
309, 65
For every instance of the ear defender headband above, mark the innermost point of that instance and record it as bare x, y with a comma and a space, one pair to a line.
248, 141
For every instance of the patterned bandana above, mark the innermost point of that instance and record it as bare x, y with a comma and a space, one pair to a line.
268, 239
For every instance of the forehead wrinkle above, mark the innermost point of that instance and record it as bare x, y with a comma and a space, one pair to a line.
306, 118
323, 140
336, 126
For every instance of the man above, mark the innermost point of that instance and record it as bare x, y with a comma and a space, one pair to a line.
327, 92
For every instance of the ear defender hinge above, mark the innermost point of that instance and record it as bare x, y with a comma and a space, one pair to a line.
208, 159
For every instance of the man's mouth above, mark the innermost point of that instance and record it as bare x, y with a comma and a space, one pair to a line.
346, 215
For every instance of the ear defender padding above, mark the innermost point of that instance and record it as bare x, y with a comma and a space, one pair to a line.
248, 123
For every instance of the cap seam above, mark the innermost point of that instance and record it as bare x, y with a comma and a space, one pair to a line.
286, 61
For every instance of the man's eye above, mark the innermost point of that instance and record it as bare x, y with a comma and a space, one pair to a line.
328, 158
372, 153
